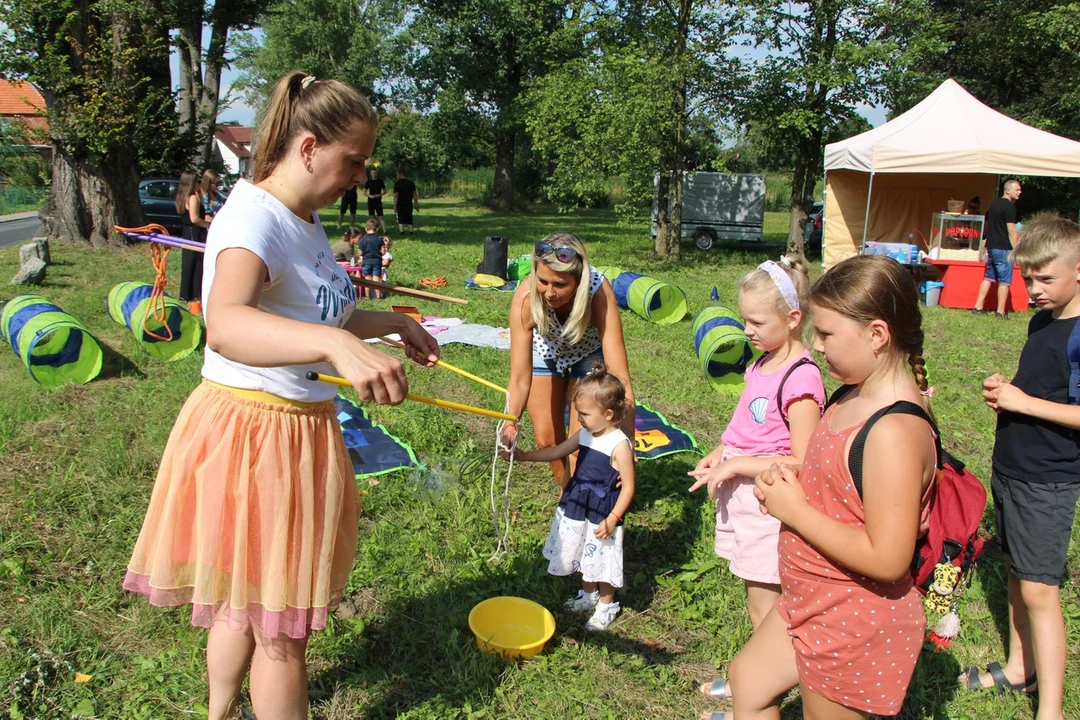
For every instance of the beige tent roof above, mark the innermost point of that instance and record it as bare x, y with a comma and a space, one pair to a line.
952, 132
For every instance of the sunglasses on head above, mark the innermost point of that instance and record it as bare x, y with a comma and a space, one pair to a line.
562, 254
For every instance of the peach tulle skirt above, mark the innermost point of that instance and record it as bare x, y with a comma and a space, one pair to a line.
253, 517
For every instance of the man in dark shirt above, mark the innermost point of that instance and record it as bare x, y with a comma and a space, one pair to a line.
348, 202
1001, 238
375, 188
406, 200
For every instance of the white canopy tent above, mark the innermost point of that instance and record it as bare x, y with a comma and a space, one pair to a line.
884, 184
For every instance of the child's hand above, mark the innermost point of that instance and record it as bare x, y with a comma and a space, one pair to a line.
1006, 397
713, 477
707, 462
780, 493
605, 528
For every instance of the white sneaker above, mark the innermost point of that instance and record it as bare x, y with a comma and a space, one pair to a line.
603, 616
583, 603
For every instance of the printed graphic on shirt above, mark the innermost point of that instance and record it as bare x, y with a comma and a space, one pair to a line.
336, 292
758, 408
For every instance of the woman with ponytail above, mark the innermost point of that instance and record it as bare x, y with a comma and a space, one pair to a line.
849, 624
253, 517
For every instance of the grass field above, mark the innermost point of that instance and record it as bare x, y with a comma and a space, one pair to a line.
79, 463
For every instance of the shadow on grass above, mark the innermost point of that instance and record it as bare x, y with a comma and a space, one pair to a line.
422, 653
114, 365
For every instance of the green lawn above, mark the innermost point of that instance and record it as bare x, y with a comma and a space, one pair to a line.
79, 463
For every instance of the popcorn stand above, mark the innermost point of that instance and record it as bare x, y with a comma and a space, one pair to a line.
906, 183
957, 252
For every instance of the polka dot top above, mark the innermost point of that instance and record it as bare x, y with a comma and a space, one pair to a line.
556, 347
831, 490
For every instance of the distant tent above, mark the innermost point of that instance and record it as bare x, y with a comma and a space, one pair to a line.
883, 184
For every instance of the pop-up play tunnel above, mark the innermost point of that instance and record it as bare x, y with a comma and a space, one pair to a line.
130, 304
54, 346
652, 299
722, 348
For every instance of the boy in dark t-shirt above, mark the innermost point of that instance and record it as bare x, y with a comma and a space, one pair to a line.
405, 200
370, 248
1036, 467
375, 188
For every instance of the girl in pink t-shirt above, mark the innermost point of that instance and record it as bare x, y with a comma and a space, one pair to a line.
778, 410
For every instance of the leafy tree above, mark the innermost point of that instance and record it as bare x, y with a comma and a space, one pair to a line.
636, 103
824, 58
102, 68
488, 51
200, 75
408, 140
355, 42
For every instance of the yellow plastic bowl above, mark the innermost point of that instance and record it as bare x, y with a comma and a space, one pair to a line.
511, 626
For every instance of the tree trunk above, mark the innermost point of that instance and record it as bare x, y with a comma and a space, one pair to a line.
208, 104
89, 198
504, 167
663, 200
678, 155
189, 44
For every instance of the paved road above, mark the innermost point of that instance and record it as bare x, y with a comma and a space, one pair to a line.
13, 232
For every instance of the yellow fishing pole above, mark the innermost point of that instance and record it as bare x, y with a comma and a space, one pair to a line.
453, 368
419, 398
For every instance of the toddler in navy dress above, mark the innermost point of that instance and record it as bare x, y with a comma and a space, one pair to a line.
587, 533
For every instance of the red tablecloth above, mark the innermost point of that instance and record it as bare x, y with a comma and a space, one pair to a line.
962, 279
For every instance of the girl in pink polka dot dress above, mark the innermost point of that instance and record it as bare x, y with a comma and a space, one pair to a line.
849, 625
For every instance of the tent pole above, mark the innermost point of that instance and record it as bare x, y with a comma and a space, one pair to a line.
866, 217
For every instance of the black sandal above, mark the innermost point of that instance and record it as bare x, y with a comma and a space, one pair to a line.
1001, 683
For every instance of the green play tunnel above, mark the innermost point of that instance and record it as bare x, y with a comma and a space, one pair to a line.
652, 299
53, 345
130, 305
722, 348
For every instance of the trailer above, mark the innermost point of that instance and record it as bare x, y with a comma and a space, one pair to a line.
719, 206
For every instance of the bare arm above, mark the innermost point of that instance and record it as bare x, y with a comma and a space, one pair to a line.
605, 316
521, 337
803, 415
622, 459
1002, 395
1014, 237
193, 205
239, 331
899, 454
548, 454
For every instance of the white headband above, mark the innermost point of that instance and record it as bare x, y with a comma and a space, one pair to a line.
783, 283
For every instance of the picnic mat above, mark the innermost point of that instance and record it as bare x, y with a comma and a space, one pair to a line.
372, 449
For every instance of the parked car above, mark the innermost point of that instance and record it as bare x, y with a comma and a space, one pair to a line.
157, 198
812, 229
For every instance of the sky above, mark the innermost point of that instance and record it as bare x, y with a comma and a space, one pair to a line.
240, 112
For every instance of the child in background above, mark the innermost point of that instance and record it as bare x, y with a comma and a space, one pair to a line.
1035, 481
776, 414
345, 248
849, 625
587, 533
387, 258
371, 252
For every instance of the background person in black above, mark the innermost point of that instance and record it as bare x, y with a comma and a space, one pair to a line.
348, 200
1001, 238
375, 188
189, 205
405, 200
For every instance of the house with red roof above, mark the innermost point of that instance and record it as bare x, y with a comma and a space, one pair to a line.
232, 143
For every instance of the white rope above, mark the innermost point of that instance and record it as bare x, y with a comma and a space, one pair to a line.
502, 534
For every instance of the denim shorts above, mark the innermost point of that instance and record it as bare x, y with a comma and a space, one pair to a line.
372, 270
999, 267
577, 371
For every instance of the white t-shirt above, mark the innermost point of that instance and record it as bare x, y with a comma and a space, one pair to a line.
305, 284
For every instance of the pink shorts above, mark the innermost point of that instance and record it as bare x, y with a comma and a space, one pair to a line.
745, 537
